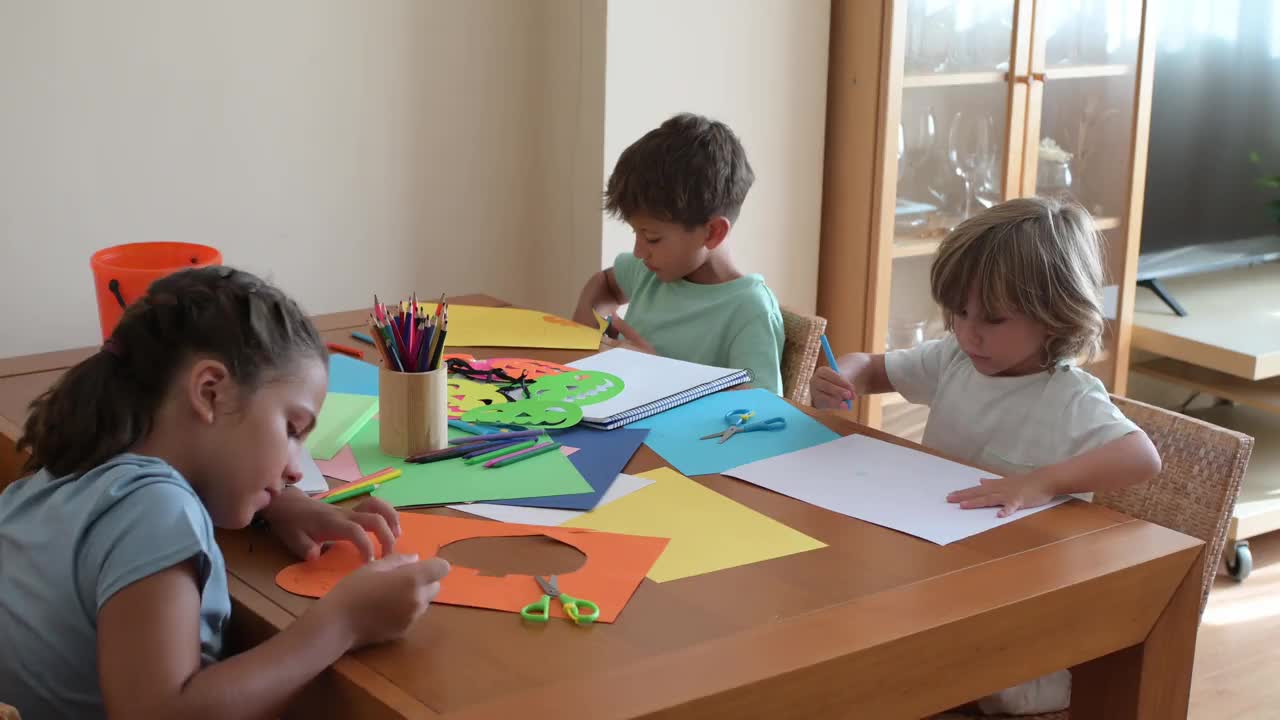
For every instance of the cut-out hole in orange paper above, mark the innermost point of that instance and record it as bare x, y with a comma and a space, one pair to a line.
615, 565
527, 555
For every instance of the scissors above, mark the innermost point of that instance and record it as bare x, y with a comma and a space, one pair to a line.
582, 612
737, 422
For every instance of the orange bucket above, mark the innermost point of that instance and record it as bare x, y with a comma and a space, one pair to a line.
122, 274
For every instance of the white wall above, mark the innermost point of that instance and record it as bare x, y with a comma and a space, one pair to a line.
761, 67
341, 147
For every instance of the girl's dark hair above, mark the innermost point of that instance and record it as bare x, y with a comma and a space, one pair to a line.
105, 405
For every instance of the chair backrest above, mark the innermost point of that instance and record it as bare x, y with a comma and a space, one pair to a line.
800, 353
1195, 492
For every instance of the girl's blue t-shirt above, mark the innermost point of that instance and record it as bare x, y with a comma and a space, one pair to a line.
67, 545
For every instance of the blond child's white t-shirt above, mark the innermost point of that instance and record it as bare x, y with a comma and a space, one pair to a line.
1008, 425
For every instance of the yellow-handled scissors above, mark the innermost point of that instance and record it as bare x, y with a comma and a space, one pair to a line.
582, 612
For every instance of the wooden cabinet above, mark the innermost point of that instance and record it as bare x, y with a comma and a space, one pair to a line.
937, 109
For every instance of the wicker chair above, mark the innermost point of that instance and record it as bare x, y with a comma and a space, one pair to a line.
800, 353
1194, 494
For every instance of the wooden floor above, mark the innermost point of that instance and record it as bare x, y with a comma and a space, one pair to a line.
1237, 675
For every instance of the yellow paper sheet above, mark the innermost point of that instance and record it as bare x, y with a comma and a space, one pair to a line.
708, 531
475, 326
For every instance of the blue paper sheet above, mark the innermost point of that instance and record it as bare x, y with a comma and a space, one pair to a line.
351, 376
674, 434
601, 456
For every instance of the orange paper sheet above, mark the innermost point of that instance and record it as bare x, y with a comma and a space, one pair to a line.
615, 565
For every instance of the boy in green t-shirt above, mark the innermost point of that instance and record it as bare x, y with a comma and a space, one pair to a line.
680, 188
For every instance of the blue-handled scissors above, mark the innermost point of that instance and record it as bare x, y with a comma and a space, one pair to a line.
737, 422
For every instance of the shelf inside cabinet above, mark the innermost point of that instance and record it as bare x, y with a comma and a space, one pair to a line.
915, 248
905, 248
958, 79
1078, 72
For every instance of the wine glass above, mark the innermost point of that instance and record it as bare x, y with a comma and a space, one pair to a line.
969, 148
917, 141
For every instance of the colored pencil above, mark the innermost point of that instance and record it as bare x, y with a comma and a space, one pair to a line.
383, 475
504, 450
496, 436
348, 494
345, 350
469, 428
485, 448
437, 455
434, 363
363, 338
516, 457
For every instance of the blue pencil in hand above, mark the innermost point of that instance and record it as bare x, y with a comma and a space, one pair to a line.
831, 360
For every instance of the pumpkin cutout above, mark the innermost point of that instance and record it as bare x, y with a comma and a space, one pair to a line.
467, 395
579, 387
539, 414
532, 369
513, 366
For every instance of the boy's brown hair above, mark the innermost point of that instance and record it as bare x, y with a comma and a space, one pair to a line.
688, 170
1036, 256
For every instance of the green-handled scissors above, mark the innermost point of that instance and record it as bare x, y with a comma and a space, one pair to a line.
582, 612
737, 422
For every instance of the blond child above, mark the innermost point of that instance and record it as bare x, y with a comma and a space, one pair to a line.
680, 188
1020, 290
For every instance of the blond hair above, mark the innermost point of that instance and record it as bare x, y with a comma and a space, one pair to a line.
1039, 257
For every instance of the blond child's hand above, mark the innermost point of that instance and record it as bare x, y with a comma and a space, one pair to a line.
1012, 493
831, 390
381, 600
631, 339
303, 524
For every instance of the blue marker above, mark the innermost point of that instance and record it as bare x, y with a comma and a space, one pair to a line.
831, 360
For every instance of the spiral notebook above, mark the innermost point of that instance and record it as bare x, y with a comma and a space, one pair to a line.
653, 384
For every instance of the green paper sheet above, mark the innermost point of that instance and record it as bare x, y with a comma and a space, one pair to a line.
453, 481
342, 416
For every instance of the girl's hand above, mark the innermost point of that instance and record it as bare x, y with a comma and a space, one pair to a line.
830, 390
1012, 493
381, 600
631, 339
303, 524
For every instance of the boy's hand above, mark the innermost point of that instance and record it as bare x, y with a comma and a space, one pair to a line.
830, 390
303, 524
1013, 493
381, 600
631, 339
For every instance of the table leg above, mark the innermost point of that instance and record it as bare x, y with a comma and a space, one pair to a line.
1151, 680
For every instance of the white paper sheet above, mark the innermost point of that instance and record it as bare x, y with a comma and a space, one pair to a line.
312, 479
648, 378
624, 485
882, 483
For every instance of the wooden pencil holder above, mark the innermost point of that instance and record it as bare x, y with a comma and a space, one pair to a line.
413, 412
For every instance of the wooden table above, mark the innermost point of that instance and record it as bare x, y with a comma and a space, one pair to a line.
1228, 346
877, 625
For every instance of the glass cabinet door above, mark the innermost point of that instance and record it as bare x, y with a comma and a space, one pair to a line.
956, 124
953, 132
1080, 123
